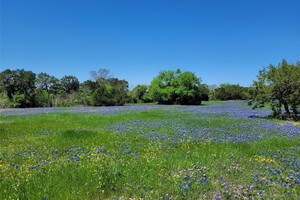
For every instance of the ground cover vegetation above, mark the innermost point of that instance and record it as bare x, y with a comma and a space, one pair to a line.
169, 148
222, 150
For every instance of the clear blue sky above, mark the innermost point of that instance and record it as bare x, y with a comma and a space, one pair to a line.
221, 41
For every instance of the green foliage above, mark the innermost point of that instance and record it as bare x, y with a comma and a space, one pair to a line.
212, 95
227, 91
89, 86
205, 92
112, 93
174, 87
281, 87
17, 82
19, 101
70, 84
64, 100
42, 98
4, 100
83, 97
7, 83
101, 96
138, 93
46, 82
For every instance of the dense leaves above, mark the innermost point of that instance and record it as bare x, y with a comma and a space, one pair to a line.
112, 93
70, 84
19, 85
230, 92
175, 87
279, 86
139, 94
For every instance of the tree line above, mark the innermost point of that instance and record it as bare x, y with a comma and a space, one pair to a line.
277, 85
21, 89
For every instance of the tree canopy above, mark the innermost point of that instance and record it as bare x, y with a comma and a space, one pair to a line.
175, 87
69, 84
277, 85
227, 91
19, 85
280, 86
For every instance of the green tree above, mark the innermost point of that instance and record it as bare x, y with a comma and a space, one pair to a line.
44, 81
19, 100
175, 87
118, 90
89, 85
138, 93
204, 91
4, 100
227, 91
70, 84
161, 89
212, 92
113, 93
280, 86
41, 98
19, 82
86, 89
7, 82
48, 83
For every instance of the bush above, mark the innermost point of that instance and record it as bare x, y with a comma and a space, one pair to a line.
230, 92
101, 96
41, 98
138, 94
107, 95
19, 101
4, 100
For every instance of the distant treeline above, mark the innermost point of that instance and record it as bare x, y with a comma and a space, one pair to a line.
279, 86
21, 89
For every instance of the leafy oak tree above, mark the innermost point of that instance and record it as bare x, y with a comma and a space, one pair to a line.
138, 94
175, 87
69, 84
112, 93
19, 85
279, 86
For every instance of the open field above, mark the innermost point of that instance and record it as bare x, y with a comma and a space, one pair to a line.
216, 151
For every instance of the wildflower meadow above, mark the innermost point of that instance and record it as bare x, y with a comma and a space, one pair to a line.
220, 150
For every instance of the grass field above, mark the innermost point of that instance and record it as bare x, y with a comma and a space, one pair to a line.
216, 151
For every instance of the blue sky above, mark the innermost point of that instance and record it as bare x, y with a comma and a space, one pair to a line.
221, 41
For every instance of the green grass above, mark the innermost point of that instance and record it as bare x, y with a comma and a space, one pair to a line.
209, 103
106, 169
